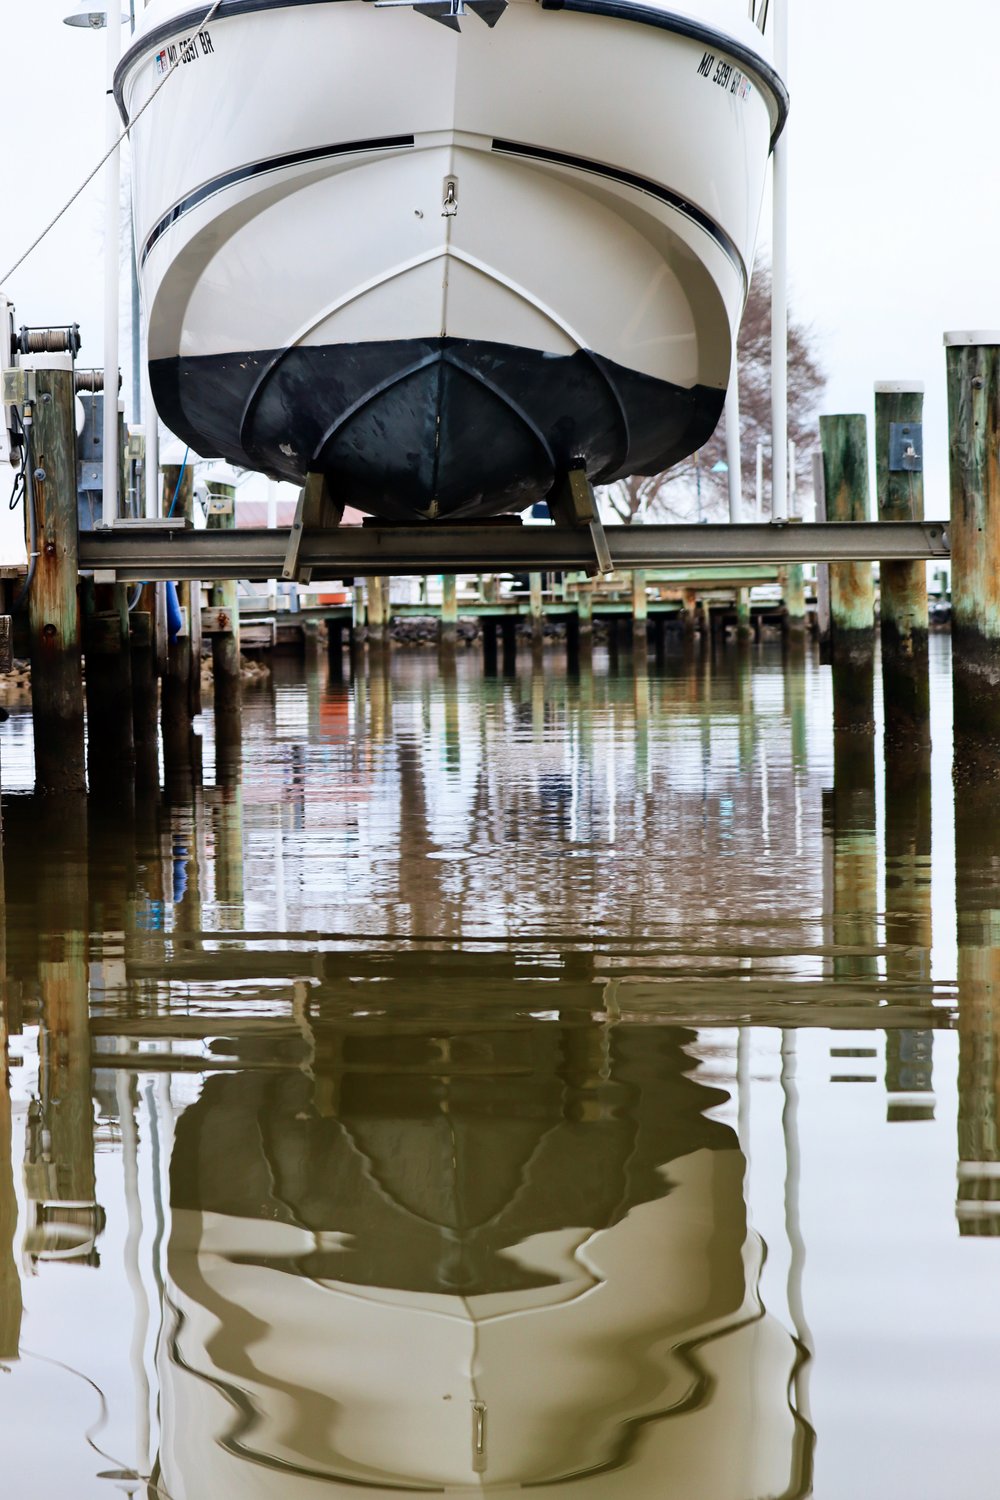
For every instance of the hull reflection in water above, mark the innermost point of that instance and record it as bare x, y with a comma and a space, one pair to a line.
497, 1259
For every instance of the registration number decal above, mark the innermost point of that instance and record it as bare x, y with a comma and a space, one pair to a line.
726, 75
186, 51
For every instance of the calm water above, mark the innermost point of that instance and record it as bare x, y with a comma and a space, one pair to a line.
579, 1085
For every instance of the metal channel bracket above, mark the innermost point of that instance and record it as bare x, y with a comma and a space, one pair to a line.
316, 509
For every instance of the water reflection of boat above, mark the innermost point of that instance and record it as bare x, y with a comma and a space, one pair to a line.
444, 263
494, 1260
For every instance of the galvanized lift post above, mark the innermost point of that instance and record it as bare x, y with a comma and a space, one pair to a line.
902, 586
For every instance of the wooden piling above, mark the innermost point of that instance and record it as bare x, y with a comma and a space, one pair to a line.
176, 695
377, 590
573, 644
585, 615
488, 627
536, 610
224, 601
640, 613
795, 603
689, 614
744, 624
903, 585
844, 441
110, 737
973, 362
144, 693
53, 603
335, 648
508, 629
448, 634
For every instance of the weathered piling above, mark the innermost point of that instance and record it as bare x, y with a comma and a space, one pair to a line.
844, 440
377, 589
973, 361
794, 591
488, 626
822, 569
53, 602
977, 907
335, 648
744, 624
573, 644
508, 627
357, 638
144, 691
224, 601
536, 610
110, 737
903, 585
177, 691
658, 623
585, 616
640, 613
689, 614
448, 635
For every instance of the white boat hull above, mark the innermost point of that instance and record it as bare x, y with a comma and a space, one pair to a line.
442, 267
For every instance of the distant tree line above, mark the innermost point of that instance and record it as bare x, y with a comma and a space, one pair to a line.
673, 496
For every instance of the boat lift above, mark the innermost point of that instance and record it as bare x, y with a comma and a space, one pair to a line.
147, 551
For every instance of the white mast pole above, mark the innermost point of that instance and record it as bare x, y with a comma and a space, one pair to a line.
733, 456
779, 288
112, 230
759, 494
152, 426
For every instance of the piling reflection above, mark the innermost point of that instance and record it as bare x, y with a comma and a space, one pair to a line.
64, 1218
412, 1060
977, 883
849, 823
908, 923
10, 1281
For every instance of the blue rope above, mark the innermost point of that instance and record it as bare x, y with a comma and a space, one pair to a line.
179, 479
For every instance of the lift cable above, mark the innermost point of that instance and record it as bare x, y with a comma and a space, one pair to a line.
171, 70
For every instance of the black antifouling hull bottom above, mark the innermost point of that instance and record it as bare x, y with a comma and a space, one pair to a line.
415, 429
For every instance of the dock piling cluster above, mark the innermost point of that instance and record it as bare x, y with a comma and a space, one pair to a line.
118, 630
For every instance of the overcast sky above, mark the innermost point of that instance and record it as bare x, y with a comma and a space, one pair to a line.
895, 219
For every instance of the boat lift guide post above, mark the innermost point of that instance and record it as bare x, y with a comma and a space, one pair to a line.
902, 586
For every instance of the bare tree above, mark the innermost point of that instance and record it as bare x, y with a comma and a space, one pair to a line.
674, 495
